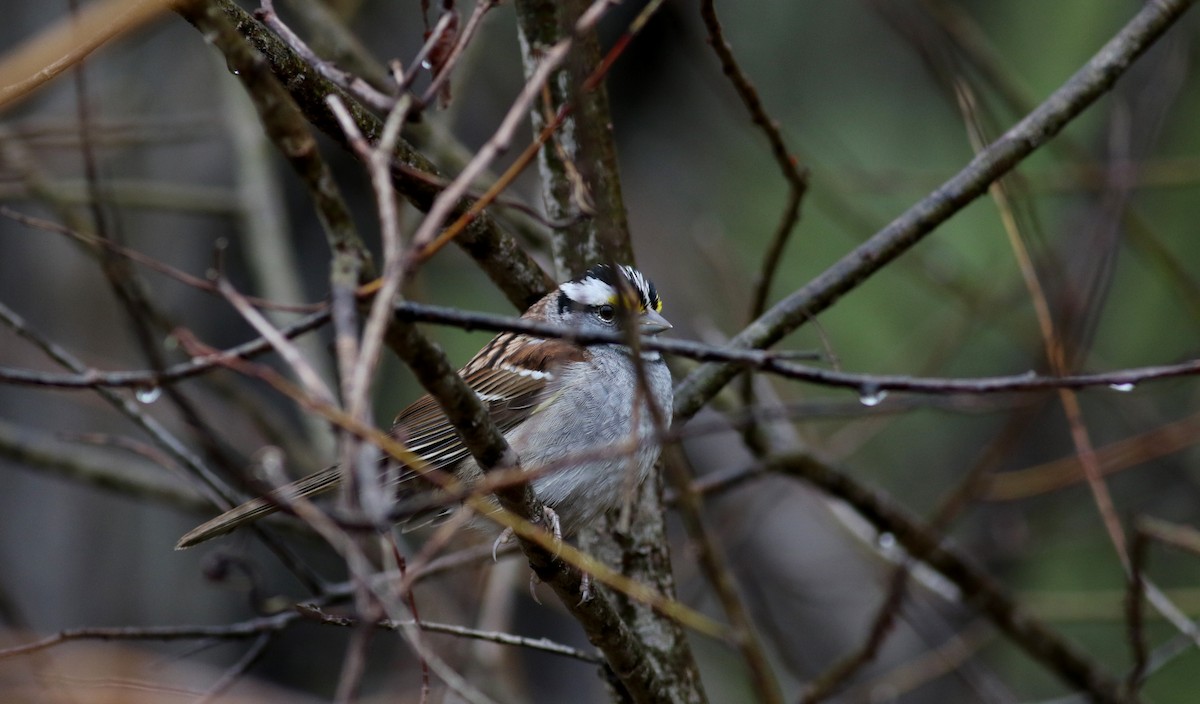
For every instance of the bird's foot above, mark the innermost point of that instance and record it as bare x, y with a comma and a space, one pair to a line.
503, 539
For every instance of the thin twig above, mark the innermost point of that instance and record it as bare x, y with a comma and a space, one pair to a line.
776, 362
280, 343
256, 627
1135, 610
425, 240
444, 67
540, 644
360, 89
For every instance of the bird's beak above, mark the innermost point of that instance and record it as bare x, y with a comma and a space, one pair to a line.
653, 323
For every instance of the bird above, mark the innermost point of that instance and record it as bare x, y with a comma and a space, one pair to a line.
573, 409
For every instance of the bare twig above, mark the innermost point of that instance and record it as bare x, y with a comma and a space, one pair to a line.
359, 365
426, 241
540, 644
1118, 381
360, 89
257, 627
1135, 611
280, 343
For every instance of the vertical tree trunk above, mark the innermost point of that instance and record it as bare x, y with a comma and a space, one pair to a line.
579, 177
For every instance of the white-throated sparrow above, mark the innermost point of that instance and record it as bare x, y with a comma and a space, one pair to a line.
554, 400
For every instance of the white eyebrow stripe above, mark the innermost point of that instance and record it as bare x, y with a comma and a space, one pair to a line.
589, 292
594, 291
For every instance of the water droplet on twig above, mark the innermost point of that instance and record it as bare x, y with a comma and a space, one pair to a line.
148, 394
871, 396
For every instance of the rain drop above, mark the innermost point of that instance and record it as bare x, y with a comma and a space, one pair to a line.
149, 394
870, 397
1125, 387
886, 541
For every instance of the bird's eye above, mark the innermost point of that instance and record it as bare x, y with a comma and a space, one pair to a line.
607, 313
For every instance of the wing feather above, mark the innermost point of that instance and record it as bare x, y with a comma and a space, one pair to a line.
512, 391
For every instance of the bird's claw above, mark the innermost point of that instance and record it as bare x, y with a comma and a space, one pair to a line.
503, 539
552, 523
533, 582
585, 588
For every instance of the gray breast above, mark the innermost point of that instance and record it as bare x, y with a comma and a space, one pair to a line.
594, 443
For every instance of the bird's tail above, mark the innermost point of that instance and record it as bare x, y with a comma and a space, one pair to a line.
255, 509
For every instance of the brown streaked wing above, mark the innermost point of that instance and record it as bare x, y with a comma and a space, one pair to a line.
511, 390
